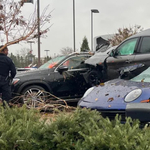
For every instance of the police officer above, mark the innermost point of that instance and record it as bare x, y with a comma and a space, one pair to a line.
6, 67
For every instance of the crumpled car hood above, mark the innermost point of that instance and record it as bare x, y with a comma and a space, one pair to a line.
99, 57
102, 42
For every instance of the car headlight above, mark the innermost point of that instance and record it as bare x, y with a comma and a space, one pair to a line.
88, 92
133, 95
15, 80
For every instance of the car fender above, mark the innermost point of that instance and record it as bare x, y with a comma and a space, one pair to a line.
38, 82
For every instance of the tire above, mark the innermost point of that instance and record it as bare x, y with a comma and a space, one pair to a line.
94, 78
34, 96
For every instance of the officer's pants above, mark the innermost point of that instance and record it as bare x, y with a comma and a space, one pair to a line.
5, 89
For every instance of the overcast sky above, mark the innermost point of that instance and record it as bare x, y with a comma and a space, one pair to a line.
113, 14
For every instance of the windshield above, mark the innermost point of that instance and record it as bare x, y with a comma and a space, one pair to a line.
143, 77
103, 48
52, 62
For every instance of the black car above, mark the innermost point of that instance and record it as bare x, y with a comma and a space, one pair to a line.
59, 78
70, 76
108, 63
24, 69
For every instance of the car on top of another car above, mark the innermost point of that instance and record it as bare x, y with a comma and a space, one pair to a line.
106, 65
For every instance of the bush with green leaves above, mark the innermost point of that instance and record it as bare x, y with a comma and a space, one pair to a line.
83, 129
18, 128
88, 130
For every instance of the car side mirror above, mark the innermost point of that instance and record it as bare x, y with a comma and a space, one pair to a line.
61, 69
112, 53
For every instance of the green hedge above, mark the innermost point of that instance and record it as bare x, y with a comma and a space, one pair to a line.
22, 129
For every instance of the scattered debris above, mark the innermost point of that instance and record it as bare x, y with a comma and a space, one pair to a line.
110, 99
96, 99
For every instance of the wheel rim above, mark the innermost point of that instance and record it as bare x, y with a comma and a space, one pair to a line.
34, 97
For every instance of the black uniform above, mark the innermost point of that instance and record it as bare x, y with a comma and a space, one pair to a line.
6, 67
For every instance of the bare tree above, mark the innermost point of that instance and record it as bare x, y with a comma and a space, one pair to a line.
124, 33
23, 52
15, 28
66, 51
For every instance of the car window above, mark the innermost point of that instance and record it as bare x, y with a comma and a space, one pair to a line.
143, 77
128, 47
145, 46
75, 62
52, 62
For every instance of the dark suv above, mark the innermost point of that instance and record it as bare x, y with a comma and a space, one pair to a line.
59, 78
109, 63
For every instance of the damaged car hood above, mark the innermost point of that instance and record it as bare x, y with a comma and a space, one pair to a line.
103, 47
99, 57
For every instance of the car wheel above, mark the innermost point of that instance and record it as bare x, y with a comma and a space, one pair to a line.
94, 78
34, 96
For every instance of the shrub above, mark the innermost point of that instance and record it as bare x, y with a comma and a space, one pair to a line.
88, 130
17, 127
83, 129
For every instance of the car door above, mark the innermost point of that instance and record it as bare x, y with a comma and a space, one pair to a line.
143, 53
124, 56
70, 83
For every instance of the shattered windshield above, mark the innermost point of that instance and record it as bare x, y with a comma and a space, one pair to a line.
52, 62
142, 77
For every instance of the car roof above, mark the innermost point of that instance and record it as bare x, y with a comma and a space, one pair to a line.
78, 53
142, 33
